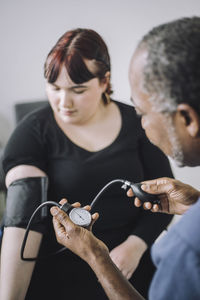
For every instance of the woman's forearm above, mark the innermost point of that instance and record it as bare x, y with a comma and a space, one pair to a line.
15, 274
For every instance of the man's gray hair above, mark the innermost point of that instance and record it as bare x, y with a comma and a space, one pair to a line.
172, 71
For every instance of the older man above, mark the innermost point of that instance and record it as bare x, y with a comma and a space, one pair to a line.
165, 87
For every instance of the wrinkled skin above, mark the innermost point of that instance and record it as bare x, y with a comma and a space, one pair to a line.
175, 197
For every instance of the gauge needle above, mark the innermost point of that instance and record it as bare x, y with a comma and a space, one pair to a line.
79, 216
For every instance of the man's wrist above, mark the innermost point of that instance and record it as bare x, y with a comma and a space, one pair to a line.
97, 256
93, 249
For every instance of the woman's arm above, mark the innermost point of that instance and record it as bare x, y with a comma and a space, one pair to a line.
16, 274
155, 164
127, 255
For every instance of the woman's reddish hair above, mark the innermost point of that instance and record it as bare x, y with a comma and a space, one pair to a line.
71, 50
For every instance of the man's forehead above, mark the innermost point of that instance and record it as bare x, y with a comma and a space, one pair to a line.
136, 75
138, 60
139, 96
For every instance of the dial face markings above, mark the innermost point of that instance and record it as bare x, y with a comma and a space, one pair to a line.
80, 216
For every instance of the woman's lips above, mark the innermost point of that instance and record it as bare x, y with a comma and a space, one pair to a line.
66, 112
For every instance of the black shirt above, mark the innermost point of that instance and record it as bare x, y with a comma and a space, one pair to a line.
78, 175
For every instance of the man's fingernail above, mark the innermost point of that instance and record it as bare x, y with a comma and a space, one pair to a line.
147, 205
144, 187
54, 211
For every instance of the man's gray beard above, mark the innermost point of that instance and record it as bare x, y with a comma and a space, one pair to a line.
176, 147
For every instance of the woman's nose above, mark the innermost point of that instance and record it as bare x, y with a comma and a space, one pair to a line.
66, 100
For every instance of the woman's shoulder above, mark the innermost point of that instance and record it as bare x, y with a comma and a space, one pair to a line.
31, 128
124, 105
42, 114
126, 108
27, 143
36, 121
128, 113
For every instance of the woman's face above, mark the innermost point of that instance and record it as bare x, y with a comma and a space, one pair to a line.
75, 103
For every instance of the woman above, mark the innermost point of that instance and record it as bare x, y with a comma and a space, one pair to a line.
81, 142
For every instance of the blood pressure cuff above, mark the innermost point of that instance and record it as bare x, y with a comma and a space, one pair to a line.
23, 197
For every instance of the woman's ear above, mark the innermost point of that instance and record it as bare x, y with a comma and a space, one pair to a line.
107, 75
190, 119
106, 79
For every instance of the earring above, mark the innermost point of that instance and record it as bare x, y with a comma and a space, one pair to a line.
106, 98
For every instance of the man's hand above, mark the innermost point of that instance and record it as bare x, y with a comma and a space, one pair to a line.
83, 243
127, 255
175, 197
79, 240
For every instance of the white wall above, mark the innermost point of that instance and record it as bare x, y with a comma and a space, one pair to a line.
29, 28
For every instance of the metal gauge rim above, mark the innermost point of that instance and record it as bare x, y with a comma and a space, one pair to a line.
85, 216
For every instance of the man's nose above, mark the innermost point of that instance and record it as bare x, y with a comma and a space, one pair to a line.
142, 123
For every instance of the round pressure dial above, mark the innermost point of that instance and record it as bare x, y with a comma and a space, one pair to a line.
80, 216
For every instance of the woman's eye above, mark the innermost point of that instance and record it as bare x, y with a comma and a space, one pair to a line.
79, 91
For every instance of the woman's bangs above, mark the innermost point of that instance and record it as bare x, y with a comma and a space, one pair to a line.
76, 68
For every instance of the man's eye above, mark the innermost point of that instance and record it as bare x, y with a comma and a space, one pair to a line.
54, 88
139, 114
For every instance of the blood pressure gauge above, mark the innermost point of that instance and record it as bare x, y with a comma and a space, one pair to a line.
78, 215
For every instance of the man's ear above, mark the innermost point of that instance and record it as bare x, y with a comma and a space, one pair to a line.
190, 119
